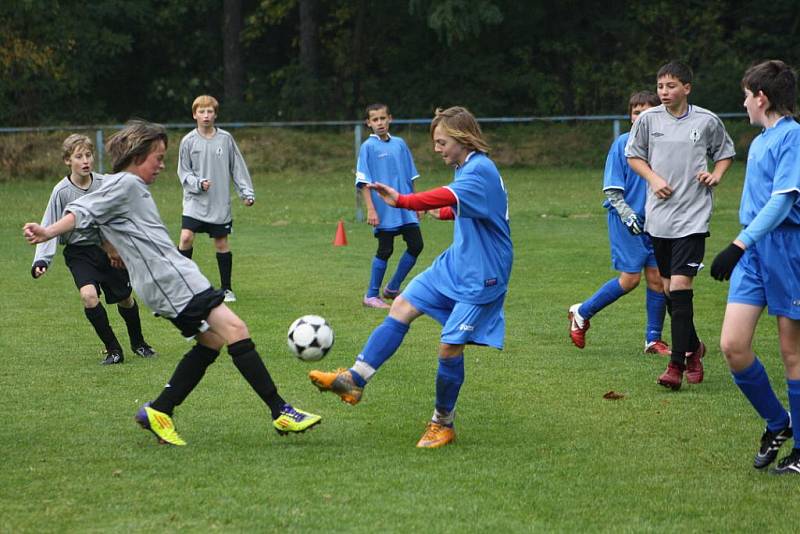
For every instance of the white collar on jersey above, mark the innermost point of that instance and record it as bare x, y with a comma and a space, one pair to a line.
379, 137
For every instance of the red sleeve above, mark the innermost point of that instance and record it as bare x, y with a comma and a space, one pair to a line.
428, 200
447, 214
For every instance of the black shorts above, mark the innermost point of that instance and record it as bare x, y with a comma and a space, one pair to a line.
90, 265
679, 256
202, 227
192, 320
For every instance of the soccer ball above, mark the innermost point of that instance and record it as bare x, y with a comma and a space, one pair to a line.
310, 338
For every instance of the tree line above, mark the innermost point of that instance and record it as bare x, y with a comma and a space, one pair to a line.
65, 61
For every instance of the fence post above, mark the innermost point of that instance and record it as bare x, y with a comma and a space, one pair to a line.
357, 147
616, 128
99, 150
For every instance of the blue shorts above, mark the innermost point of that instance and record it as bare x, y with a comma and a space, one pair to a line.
629, 253
768, 274
462, 323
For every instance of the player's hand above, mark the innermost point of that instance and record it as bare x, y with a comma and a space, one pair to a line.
661, 188
723, 264
434, 213
387, 193
249, 201
205, 184
35, 233
115, 260
38, 269
372, 217
707, 178
633, 223
421, 214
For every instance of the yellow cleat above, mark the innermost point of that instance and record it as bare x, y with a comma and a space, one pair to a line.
436, 436
293, 420
339, 382
159, 424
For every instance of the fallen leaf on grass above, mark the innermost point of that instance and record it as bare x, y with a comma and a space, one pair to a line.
613, 395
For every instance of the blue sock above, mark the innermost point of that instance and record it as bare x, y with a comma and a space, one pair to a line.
794, 409
449, 378
608, 293
376, 276
382, 343
656, 309
755, 385
407, 261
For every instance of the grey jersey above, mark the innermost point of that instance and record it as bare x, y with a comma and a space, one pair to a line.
63, 193
677, 149
217, 160
128, 218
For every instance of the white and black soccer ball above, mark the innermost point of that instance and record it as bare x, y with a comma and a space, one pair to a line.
310, 338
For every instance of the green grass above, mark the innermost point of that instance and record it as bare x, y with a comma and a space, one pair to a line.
538, 447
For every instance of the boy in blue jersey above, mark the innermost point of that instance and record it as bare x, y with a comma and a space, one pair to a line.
465, 287
386, 159
763, 262
631, 250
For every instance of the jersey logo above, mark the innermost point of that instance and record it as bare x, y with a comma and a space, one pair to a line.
382, 155
466, 327
490, 282
218, 152
694, 135
146, 195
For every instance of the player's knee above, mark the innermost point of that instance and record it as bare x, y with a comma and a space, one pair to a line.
446, 350
221, 244
629, 281
384, 251
186, 239
415, 248
733, 349
237, 330
89, 296
127, 302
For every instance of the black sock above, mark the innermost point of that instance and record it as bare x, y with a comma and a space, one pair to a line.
225, 262
187, 375
669, 304
252, 368
188, 252
99, 319
682, 325
133, 323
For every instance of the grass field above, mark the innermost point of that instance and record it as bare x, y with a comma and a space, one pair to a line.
538, 447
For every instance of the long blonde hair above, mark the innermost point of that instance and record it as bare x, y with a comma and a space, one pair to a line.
134, 142
461, 125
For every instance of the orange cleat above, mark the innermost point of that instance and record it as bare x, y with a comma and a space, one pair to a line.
339, 382
436, 436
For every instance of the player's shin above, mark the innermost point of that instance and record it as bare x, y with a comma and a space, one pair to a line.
382, 343
187, 375
449, 378
753, 382
252, 368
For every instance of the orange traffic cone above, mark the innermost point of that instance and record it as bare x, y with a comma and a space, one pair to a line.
341, 238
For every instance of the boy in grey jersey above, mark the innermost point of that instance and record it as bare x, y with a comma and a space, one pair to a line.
93, 262
207, 160
669, 146
168, 282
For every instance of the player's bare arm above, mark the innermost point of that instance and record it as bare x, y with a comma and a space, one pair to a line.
658, 185
712, 178
35, 233
388, 194
372, 213
113, 256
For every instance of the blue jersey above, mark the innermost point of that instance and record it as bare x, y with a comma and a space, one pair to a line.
388, 162
475, 269
619, 175
773, 167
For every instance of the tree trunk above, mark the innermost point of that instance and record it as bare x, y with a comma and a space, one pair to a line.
309, 45
358, 53
232, 53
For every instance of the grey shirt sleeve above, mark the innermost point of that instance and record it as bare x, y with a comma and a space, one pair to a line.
241, 176
190, 181
637, 146
47, 250
720, 145
101, 206
617, 200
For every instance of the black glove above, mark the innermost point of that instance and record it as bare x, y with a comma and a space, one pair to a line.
40, 264
723, 264
633, 223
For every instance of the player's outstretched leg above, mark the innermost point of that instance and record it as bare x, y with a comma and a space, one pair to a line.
349, 384
160, 424
577, 326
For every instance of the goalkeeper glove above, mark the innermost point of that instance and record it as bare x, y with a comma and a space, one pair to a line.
633, 223
723, 264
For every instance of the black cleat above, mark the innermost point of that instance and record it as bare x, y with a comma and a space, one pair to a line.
789, 465
112, 356
771, 442
144, 350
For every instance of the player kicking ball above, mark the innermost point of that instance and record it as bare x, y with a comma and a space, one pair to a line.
468, 303
169, 283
